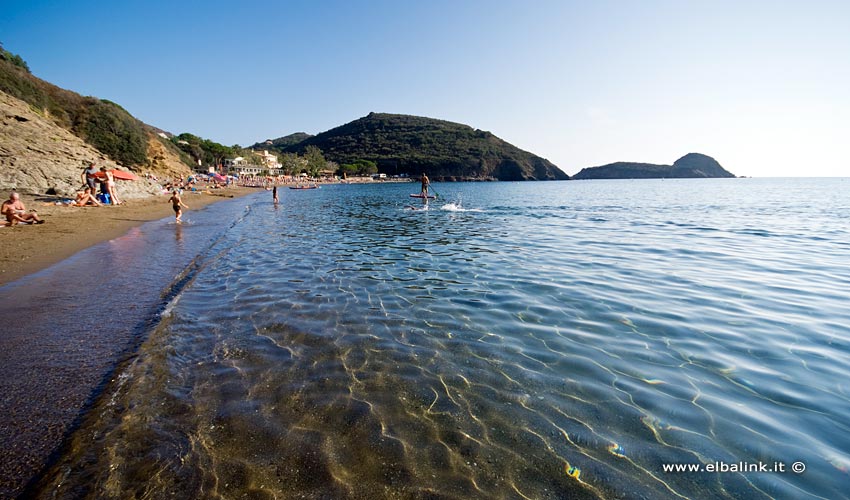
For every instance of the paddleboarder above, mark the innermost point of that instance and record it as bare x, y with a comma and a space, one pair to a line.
425, 184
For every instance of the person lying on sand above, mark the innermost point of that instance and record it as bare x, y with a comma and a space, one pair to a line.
16, 212
85, 198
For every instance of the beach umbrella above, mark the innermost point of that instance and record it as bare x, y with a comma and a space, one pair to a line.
119, 175
219, 177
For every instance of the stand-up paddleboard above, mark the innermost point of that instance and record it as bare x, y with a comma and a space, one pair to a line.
430, 196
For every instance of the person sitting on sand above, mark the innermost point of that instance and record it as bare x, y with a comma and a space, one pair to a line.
16, 212
85, 198
178, 205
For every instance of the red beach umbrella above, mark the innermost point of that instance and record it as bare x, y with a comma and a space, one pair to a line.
119, 175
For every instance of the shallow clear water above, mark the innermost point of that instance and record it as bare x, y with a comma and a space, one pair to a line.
515, 340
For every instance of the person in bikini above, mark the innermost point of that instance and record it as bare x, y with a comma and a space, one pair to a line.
109, 184
178, 205
86, 198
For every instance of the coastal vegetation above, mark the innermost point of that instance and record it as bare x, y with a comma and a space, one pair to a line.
15, 59
99, 122
358, 167
285, 141
404, 144
204, 151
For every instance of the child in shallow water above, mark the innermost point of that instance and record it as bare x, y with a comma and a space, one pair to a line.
178, 206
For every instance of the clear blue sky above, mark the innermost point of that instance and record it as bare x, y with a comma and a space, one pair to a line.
762, 86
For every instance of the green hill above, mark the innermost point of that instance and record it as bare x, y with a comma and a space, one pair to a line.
403, 144
692, 165
283, 142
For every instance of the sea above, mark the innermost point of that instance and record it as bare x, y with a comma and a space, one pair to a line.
542, 340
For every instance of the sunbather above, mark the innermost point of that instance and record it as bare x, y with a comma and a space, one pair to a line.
16, 212
85, 198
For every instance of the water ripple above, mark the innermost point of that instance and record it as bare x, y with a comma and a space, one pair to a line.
563, 340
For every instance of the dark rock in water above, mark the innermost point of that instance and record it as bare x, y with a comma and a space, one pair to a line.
698, 165
692, 165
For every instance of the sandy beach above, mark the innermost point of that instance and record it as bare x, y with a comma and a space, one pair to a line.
25, 249
47, 375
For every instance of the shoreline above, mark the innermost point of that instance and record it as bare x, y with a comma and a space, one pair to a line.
72, 330
28, 249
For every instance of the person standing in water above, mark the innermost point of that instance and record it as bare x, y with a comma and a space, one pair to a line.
425, 183
274, 195
178, 206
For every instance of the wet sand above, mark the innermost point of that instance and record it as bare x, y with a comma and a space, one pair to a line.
25, 249
54, 350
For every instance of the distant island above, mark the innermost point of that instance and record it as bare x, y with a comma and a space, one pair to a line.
690, 166
404, 144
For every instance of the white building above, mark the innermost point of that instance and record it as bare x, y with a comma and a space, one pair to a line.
240, 166
269, 162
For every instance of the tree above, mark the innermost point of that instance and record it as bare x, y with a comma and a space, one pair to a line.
203, 151
217, 152
366, 167
315, 160
290, 163
359, 167
347, 169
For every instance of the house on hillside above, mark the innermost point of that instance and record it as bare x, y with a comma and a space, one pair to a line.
240, 166
269, 162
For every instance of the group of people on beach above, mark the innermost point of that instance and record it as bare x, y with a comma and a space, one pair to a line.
91, 176
107, 180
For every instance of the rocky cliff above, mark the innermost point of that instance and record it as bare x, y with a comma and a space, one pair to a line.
37, 156
49, 133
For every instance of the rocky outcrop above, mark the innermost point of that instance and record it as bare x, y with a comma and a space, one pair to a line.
699, 165
39, 157
690, 166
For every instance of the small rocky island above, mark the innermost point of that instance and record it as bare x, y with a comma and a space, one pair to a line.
690, 166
